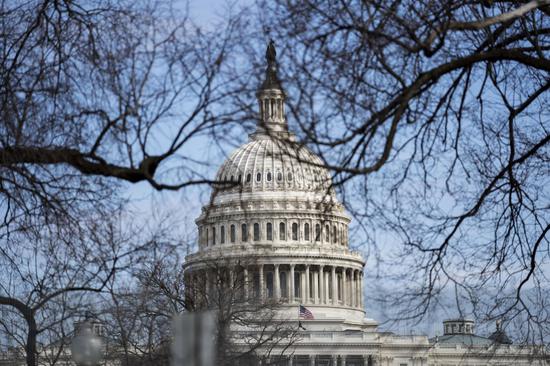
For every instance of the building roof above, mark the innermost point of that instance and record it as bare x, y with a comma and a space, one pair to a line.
468, 340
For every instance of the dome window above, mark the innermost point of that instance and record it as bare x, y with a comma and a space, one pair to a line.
269, 231
269, 176
279, 176
244, 233
240, 178
282, 231
294, 231
232, 178
306, 231
256, 232
248, 178
258, 177
289, 177
317, 232
232, 233
222, 234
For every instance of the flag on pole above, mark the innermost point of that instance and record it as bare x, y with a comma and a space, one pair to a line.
305, 313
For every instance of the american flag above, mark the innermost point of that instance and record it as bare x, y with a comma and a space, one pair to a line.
305, 313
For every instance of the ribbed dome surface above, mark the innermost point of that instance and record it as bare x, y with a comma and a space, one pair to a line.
270, 164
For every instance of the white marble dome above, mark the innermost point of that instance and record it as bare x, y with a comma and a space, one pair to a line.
267, 163
275, 219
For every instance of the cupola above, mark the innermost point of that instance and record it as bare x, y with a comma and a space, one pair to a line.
458, 326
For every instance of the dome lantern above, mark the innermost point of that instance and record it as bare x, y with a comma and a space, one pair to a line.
271, 100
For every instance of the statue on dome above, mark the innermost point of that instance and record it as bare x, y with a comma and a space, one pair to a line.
271, 53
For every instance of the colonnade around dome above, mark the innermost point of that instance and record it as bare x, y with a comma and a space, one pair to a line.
284, 283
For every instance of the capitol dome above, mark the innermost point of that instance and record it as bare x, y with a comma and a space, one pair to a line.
267, 163
274, 262
275, 222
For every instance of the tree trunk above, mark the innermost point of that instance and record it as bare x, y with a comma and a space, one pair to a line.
28, 314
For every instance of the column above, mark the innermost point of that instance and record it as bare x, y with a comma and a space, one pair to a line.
326, 287
232, 278
303, 286
246, 283
292, 284
343, 359
305, 300
361, 289
315, 287
321, 285
356, 288
334, 286
206, 287
288, 287
352, 288
334, 358
262, 282
312, 360
344, 285
277, 281
290, 361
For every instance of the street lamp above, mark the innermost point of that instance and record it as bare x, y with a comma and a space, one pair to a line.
86, 347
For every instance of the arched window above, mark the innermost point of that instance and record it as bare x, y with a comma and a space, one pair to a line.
213, 235
289, 177
232, 233
240, 178
244, 233
248, 178
279, 176
334, 234
222, 234
258, 177
306, 231
269, 176
256, 231
294, 231
269, 231
282, 231
327, 233
207, 237
317, 232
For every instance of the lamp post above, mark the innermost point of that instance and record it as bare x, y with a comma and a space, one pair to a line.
86, 347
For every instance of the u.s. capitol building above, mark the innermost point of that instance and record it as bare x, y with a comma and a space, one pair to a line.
275, 227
